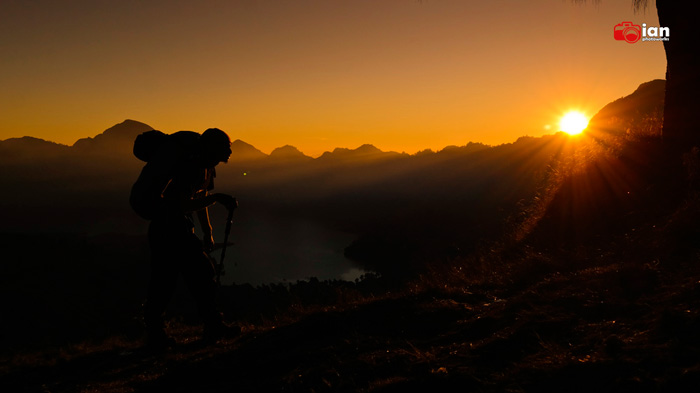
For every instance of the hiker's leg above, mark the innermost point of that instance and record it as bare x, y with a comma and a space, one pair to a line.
160, 290
164, 271
199, 274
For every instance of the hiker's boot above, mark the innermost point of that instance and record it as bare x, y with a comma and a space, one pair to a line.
219, 331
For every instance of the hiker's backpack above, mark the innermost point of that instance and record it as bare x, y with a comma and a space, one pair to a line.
147, 144
146, 196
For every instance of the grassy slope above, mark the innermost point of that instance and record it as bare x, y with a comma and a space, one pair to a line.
612, 327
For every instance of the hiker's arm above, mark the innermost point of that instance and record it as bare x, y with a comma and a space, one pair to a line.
205, 224
191, 205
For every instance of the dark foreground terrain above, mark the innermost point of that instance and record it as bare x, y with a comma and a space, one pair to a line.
602, 325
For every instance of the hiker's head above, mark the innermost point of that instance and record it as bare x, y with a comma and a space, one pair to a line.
216, 146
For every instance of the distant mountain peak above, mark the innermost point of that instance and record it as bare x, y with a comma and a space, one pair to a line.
288, 152
366, 152
368, 149
364, 149
28, 142
31, 148
242, 151
119, 136
240, 143
130, 123
127, 128
286, 149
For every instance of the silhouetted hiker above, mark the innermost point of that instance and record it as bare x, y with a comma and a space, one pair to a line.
173, 184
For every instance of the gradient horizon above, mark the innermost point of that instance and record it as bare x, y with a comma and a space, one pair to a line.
401, 75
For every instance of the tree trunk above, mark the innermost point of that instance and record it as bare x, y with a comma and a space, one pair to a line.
681, 126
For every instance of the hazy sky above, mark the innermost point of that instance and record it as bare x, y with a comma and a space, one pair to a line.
404, 75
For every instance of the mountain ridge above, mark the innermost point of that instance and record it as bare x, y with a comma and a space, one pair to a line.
621, 115
289, 152
117, 140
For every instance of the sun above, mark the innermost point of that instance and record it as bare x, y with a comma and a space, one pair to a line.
573, 122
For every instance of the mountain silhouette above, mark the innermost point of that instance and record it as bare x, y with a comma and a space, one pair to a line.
289, 153
28, 149
633, 113
616, 117
116, 140
242, 151
363, 153
468, 148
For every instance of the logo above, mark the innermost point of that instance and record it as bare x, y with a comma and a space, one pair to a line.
628, 31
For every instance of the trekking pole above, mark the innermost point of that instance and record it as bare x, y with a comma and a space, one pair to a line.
220, 269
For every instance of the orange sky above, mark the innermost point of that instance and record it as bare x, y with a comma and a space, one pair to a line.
404, 75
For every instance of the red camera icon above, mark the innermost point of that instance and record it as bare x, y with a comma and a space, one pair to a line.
628, 31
